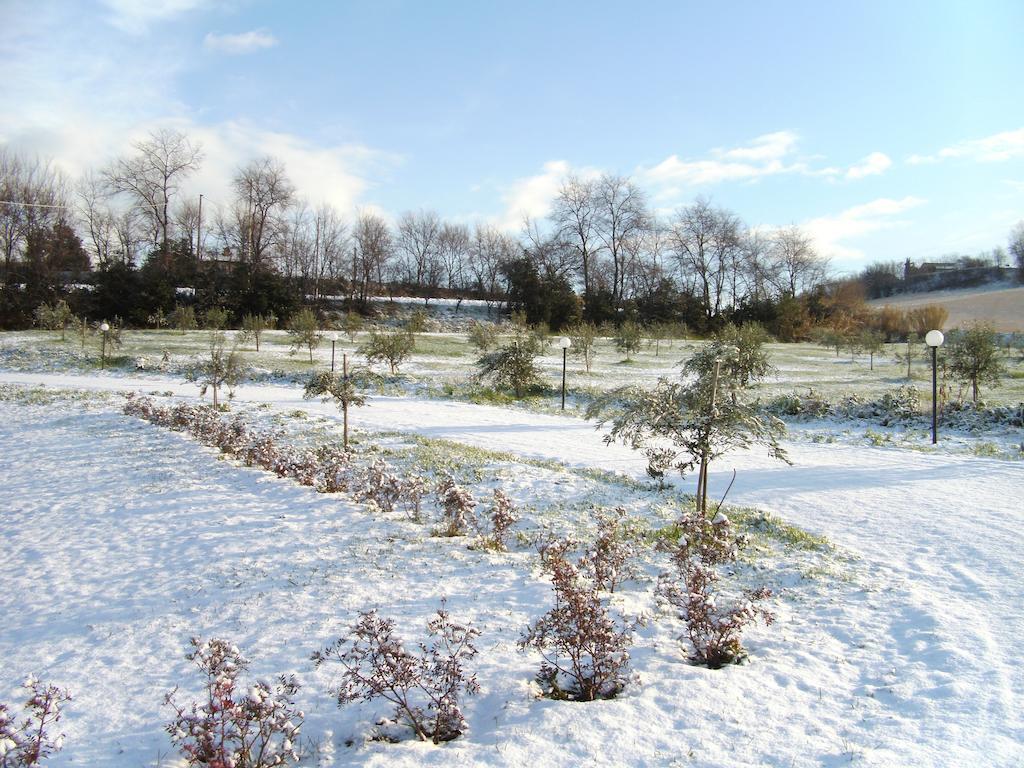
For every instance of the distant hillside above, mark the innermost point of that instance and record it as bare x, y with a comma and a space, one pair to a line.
1003, 307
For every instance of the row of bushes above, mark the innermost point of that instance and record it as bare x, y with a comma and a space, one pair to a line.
331, 469
901, 405
585, 651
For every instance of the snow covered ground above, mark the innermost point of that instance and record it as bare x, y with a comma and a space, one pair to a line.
121, 540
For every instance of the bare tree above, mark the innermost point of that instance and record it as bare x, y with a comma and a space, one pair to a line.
151, 177
796, 265
489, 250
263, 193
187, 220
705, 241
371, 252
294, 244
1017, 247
453, 246
758, 272
129, 227
96, 217
416, 243
575, 216
34, 197
550, 251
644, 265
621, 217
331, 245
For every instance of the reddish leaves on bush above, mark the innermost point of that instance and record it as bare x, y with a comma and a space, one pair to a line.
583, 646
25, 744
232, 727
714, 630
424, 686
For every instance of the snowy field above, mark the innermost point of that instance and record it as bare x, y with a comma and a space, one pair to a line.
893, 645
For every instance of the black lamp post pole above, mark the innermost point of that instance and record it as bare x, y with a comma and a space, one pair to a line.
332, 354
564, 352
935, 396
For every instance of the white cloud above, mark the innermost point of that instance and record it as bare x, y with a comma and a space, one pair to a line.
771, 146
872, 165
86, 107
991, 149
243, 42
136, 16
763, 156
532, 196
831, 233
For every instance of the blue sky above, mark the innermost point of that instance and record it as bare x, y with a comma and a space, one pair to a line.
888, 130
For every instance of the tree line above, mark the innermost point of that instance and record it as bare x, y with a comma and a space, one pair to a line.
130, 232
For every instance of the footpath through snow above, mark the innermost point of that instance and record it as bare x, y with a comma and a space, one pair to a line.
939, 534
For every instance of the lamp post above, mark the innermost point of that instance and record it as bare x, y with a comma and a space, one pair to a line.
934, 340
565, 342
104, 329
334, 340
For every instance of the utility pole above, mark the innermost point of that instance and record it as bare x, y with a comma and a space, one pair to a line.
199, 232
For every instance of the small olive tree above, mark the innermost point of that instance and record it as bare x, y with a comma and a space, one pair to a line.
584, 338
216, 318
483, 336
512, 366
352, 324
54, 318
747, 360
253, 327
687, 424
342, 390
872, 342
973, 356
184, 318
628, 338
395, 347
158, 318
221, 367
304, 330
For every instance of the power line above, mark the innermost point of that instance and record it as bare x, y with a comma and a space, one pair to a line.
64, 207
33, 205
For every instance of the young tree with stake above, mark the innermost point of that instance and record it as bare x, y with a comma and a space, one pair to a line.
220, 368
686, 425
342, 390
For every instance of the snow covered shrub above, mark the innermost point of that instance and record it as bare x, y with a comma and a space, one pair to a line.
609, 557
335, 468
378, 486
812, 405
258, 450
232, 726
457, 505
583, 646
413, 489
299, 465
425, 686
27, 743
503, 516
714, 630
140, 407
899, 404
